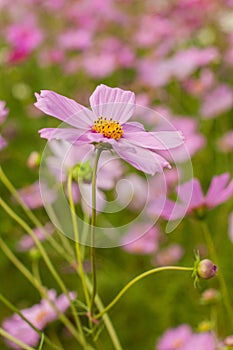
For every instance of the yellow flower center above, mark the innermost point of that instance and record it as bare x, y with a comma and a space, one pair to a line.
108, 127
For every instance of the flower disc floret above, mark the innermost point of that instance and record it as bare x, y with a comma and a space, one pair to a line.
108, 127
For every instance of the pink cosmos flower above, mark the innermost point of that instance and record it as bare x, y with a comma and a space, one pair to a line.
3, 111
217, 102
31, 195
169, 255
3, 114
107, 123
201, 341
137, 241
24, 38
75, 39
220, 191
193, 139
39, 315
225, 143
26, 242
175, 338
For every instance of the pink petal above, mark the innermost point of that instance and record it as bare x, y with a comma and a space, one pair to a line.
168, 139
70, 135
190, 193
218, 192
64, 109
162, 140
170, 211
113, 102
3, 143
140, 158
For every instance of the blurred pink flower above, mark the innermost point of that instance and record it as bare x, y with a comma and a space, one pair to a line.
225, 143
193, 139
201, 341
105, 67
231, 226
39, 315
31, 195
75, 39
220, 190
152, 30
137, 241
198, 87
217, 102
24, 38
168, 255
26, 242
3, 114
3, 143
65, 156
180, 66
175, 338
108, 124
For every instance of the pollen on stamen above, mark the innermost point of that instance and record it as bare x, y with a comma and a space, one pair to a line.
108, 127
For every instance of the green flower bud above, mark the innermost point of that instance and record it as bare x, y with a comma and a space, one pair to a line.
82, 172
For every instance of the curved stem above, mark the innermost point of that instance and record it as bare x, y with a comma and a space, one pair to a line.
137, 279
76, 237
214, 256
93, 223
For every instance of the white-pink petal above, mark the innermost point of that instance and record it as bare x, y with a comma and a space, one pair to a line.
65, 109
69, 135
140, 158
113, 102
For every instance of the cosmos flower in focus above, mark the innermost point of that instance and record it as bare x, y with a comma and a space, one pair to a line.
107, 124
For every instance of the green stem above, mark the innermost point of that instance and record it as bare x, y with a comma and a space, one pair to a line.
137, 279
50, 266
40, 288
76, 237
14, 309
93, 223
109, 325
214, 256
29, 213
14, 340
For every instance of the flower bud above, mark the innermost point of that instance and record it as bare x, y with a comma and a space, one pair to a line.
206, 269
210, 296
33, 160
228, 341
205, 326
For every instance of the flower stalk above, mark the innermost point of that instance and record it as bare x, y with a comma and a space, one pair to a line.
93, 223
137, 279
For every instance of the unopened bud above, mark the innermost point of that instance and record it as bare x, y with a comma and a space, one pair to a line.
210, 296
34, 254
228, 341
205, 326
206, 269
33, 160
